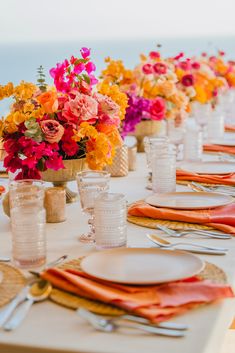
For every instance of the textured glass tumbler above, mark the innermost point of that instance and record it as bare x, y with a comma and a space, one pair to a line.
110, 221
90, 185
153, 146
216, 126
193, 145
164, 173
28, 218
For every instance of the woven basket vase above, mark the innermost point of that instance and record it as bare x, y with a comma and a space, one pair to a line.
119, 167
146, 128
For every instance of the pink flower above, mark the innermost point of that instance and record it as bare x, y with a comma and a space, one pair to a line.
179, 56
30, 162
154, 55
84, 87
187, 80
12, 163
160, 68
27, 173
70, 148
85, 52
78, 68
52, 130
147, 69
185, 65
55, 162
90, 66
157, 109
93, 80
106, 105
196, 65
80, 108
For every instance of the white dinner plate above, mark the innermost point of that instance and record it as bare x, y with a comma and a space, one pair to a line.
208, 167
189, 200
141, 265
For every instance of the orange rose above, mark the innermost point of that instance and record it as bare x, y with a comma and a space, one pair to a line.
49, 101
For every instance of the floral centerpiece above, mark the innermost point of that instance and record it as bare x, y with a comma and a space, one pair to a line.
151, 88
71, 120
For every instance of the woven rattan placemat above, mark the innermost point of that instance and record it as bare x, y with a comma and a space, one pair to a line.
72, 301
152, 223
12, 282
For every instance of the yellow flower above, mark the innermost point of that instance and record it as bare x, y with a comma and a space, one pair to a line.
6, 91
25, 90
85, 130
201, 95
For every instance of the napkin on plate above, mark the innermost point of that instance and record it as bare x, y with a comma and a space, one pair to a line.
219, 148
155, 302
230, 128
225, 179
221, 218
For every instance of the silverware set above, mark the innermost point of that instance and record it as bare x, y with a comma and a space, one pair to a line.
193, 231
102, 323
223, 189
35, 291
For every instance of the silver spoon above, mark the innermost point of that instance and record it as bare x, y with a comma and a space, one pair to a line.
106, 325
37, 291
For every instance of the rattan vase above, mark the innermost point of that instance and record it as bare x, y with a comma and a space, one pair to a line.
62, 176
146, 128
119, 167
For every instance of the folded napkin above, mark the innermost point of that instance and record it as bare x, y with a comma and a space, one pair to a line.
2, 189
222, 218
156, 302
225, 179
230, 128
219, 148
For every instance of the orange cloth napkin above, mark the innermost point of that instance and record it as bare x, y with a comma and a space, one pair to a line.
226, 179
230, 128
222, 218
156, 302
219, 148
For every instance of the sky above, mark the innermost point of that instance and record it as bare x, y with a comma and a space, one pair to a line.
59, 20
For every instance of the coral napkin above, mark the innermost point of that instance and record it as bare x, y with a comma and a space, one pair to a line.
230, 128
219, 148
156, 303
226, 179
222, 218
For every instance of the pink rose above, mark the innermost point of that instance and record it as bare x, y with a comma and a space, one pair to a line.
157, 109
187, 80
52, 130
160, 68
80, 108
106, 105
185, 65
196, 65
147, 69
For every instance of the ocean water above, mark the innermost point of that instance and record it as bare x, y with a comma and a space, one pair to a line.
19, 61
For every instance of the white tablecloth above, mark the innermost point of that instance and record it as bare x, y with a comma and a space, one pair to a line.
51, 328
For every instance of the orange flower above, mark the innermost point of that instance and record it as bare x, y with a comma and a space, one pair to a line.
49, 101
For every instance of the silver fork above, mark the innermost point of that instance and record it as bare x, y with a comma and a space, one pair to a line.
207, 233
110, 325
224, 189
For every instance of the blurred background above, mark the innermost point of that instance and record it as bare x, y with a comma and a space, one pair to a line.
34, 33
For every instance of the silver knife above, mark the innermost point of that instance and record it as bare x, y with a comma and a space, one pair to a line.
197, 251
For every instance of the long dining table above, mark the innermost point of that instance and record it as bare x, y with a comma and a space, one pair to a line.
50, 328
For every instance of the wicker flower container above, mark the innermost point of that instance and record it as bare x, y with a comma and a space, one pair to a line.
119, 167
62, 176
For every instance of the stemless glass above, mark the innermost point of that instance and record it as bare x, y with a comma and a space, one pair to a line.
175, 132
110, 220
164, 173
28, 219
154, 145
90, 185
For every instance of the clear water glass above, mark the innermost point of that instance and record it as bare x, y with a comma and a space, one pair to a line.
216, 125
175, 133
201, 114
193, 144
164, 173
90, 185
28, 219
154, 145
110, 220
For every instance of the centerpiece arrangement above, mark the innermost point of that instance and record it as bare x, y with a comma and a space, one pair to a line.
153, 94
51, 131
